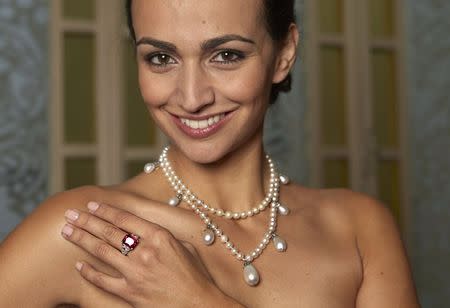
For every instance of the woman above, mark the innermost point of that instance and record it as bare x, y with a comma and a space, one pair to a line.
208, 71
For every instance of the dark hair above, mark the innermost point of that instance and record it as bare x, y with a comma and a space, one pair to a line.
279, 14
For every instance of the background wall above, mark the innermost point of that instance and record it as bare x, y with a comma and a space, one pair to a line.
23, 108
23, 129
428, 49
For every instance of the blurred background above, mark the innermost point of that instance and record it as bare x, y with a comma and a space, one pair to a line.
370, 110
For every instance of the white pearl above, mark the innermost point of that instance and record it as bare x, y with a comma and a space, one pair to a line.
149, 168
228, 215
224, 238
280, 244
236, 215
243, 215
208, 237
255, 210
229, 245
251, 275
261, 207
283, 210
284, 179
219, 212
174, 201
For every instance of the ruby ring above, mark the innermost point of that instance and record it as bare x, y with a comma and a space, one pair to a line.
129, 242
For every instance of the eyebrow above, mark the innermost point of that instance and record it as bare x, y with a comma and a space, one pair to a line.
205, 45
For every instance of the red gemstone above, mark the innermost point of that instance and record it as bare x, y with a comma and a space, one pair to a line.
131, 240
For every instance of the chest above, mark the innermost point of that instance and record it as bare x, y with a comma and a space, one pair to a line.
316, 270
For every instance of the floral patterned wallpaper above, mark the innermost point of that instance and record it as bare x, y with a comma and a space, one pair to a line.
428, 56
23, 108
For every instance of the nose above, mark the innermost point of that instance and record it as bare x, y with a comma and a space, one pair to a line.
194, 90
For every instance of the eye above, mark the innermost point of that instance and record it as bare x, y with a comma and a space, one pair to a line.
159, 59
228, 56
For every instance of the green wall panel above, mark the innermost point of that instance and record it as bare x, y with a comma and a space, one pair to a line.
79, 88
333, 97
79, 9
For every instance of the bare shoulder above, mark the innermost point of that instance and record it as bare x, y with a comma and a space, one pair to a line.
37, 263
387, 276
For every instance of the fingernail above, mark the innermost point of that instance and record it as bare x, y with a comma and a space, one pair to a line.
72, 215
79, 266
92, 206
67, 230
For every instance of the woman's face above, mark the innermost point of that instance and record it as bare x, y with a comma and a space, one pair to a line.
205, 72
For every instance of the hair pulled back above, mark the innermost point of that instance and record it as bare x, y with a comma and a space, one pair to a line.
278, 15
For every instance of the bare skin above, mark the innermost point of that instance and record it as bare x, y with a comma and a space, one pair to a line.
336, 255
344, 249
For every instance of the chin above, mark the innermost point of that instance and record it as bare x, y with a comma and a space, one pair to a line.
202, 152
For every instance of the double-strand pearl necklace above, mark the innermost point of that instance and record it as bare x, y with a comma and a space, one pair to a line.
251, 275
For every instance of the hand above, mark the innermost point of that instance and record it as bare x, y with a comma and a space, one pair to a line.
160, 270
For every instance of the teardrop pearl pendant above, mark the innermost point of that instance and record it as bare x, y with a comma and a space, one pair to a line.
251, 275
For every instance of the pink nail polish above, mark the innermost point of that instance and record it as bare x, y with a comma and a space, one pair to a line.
72, 215
67, 230
92, 206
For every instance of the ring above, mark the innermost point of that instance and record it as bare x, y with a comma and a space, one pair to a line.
129, 242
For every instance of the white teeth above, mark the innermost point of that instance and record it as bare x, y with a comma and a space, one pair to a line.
203, 123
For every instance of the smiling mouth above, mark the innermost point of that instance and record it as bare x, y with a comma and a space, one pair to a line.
203, 123
204, 128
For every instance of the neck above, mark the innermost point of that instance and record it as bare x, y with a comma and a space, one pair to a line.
238, 182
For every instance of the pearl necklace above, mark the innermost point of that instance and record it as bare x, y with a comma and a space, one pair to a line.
251, 275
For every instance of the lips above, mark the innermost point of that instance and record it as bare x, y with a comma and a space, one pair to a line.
204, 128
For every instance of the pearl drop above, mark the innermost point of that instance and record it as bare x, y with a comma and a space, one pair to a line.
174, 201
284, 179
251, 275
208, 237
283, 210
280, 244
149, 168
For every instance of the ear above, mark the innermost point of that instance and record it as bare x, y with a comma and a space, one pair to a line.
286, 55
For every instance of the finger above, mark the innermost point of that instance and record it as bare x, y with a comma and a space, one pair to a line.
103, 281
123, 219
96, 226
96, 247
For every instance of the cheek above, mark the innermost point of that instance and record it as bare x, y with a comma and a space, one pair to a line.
247, 85
155, 89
